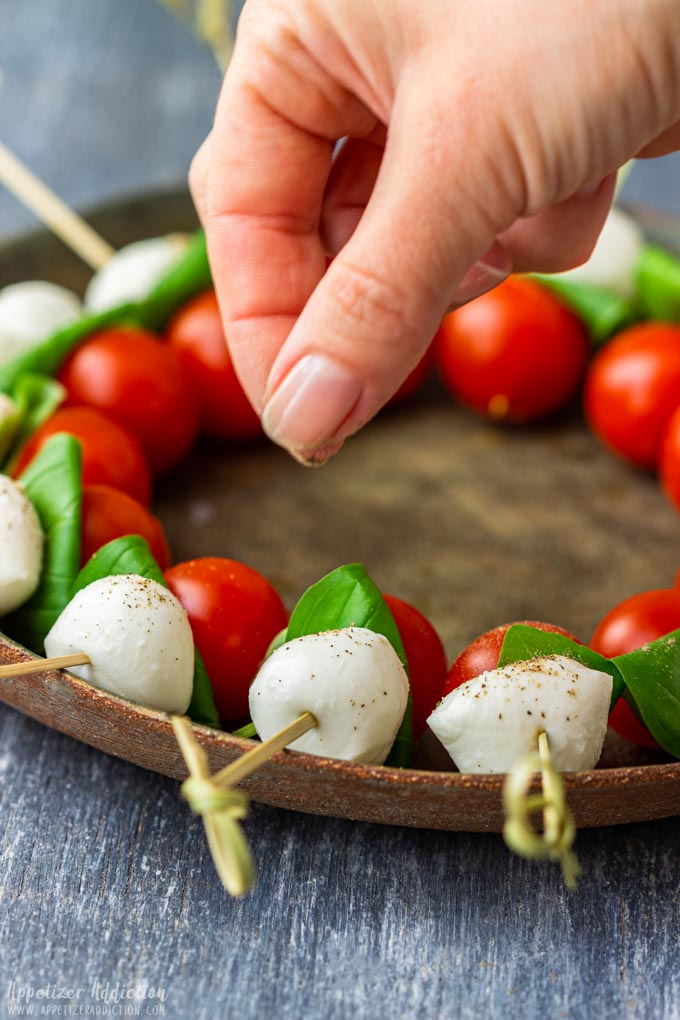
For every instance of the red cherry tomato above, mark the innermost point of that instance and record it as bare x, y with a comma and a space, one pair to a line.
109, 513
234, 614
484, 652
633, 388
196, 334
111, 455
415, 379
515, 354
631, 624
137, 380
426, 660
669, 460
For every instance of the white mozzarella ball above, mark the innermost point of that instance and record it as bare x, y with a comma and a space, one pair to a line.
489, 723
32, 311
132, 273
137, 636
21, 546
351, 680
613, 263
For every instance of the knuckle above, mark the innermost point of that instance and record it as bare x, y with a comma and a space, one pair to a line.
369, 297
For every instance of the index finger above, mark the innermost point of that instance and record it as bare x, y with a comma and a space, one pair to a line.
263, 200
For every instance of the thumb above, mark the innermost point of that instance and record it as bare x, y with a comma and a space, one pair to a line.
375, 311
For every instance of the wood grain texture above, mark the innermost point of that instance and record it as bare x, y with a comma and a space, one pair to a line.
105, 875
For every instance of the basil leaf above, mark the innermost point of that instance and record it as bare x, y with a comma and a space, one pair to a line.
652, 676
523, 643
202, 708
658, 284
189, 276
53, 484
276, 642
602, 311
347, 597
37, 398
10, 420
248, 732
131, 555
128, 555
49, 356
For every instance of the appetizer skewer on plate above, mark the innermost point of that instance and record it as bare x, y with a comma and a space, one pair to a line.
189, 277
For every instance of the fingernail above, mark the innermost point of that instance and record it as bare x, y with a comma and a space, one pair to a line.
309, 406
494, 267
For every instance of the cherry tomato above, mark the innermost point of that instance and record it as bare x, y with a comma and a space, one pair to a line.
633, 388
669, 460
196, 334
426, 660
111, 455
139, 381
234, 613
415, 379
516, 353
631, 624
484, 652
109, 513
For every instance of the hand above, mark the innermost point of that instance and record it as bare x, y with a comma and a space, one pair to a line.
481, 135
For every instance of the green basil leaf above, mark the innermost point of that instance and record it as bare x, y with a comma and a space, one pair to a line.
189, 276
48, 357
523, 643
202, 708
10, 421
276, 642
347, 597
131, 555
248, 732
652, 676
37, 398
128, 555
658, 284
602, 312
53, 484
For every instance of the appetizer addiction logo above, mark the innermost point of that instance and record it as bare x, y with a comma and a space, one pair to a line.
101, 998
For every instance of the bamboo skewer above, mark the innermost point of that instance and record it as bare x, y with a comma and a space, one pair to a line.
252, 760
220, 805
44, 665
48, 207
556, 840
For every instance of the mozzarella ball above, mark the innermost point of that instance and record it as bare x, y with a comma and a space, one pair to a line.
32, 311
132, 273
489, 723
613, 263
351, 680
137, 636
21, 546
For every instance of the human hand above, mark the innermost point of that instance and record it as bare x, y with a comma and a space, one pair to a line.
481, 136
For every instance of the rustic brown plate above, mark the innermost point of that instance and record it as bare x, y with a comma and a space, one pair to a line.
473, 524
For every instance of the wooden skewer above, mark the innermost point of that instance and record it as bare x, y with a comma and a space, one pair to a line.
43, 665
252, 760
557, 839
223, 807
48, 207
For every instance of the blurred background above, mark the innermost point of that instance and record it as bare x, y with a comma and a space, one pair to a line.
105, 98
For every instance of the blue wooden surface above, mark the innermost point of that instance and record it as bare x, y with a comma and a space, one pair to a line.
105, 878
